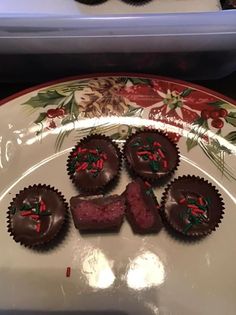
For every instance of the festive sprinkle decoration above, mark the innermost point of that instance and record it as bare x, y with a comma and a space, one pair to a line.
195, 211
89, 160
153, 153
68, 272
35, 211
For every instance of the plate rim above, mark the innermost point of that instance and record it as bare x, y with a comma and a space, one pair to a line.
36, 87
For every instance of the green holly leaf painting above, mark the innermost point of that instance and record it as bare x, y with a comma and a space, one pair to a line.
231, 137
116, 136
231, 118
134, 111
221, 104
40, 118
68, 120
45, 98
140, 81
191, 143
216, 147
186, 92
201, 123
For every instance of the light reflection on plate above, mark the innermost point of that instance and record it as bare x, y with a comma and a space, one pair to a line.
145, 271
97, 269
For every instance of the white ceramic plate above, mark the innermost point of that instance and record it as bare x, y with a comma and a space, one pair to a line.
118, 273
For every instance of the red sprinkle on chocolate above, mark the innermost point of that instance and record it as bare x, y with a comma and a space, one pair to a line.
25, 213
197, 211
84, 166
98, 163
88, 159
182, 201
201, 202
104, 156
161, 153
79, 168
143, 153
165, 164
37, 227
101, 164
192, 206
34, 216
68, 272
42, 206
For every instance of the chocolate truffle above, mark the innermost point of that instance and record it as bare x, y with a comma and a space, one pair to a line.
151, 155
36, 215
94, 164
142, 208
192, 206
98, 213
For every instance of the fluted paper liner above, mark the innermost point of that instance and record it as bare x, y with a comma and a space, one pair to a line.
154, 180
56, 236
104, 188
212, 225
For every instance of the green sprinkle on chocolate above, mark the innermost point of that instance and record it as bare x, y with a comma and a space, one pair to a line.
154, 166
152, 152
195, 213
87, 160
150, 140
25, 206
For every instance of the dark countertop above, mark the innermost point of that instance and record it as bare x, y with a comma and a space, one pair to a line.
225, 86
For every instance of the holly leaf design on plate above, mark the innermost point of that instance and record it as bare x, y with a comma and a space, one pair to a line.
197, 133
231, 137
67, 120
221, 104
216, 147
40, 118
200, 122
140, 81
45, 98
134, 111
216, 153
191, 143
186, 92
231, 118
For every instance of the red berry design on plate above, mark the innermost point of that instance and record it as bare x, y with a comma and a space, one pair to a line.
52, 113
223, 112
60, 112
215, 114
217, 123
52, 125
205, 114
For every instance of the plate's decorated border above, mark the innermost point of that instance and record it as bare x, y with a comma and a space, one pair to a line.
116, 74
182, 108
